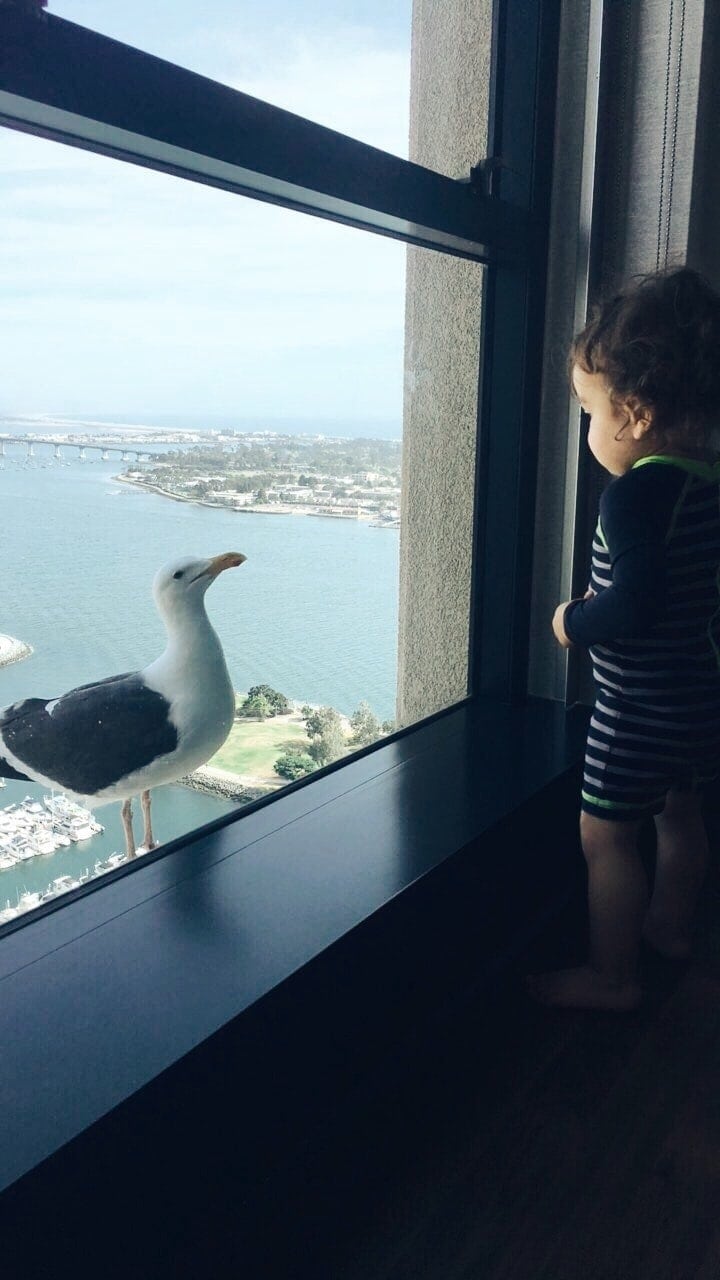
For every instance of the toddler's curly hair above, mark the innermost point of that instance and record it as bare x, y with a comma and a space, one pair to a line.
657, 343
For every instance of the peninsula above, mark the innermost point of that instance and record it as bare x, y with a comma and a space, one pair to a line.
276, 474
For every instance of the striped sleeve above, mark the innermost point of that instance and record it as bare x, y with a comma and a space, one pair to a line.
636, 512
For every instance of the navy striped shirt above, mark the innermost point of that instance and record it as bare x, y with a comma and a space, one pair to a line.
653, 627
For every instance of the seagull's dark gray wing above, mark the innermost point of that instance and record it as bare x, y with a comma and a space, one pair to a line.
94, 735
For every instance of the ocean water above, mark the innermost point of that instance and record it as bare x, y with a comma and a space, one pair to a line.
313, 612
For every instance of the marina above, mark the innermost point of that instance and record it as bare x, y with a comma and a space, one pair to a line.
33, 828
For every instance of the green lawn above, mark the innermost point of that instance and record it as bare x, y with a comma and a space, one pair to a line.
253, 745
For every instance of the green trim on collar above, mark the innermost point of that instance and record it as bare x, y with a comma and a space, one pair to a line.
708, 470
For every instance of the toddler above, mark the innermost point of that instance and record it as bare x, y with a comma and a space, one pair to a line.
646, 371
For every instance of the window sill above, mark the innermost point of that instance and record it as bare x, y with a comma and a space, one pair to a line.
113, 988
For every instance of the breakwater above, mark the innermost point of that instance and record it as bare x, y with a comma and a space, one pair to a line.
226, 786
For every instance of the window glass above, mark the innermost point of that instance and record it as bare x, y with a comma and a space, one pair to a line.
344, 66
248, 361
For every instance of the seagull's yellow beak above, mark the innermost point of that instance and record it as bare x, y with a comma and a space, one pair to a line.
228, 560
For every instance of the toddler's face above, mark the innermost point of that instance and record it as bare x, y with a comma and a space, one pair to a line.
617, 436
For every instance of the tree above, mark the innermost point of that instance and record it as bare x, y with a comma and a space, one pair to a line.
259, 708
325, 731
279, 704
388, 726
365, 726
294, 764
262, 495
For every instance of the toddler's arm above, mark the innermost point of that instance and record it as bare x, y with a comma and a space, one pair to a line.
636, 511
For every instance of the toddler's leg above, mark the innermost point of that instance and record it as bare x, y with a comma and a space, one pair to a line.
617, 896
682, 858
617, 901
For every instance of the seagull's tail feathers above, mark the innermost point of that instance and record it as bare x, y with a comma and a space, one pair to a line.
7, 716
8, 770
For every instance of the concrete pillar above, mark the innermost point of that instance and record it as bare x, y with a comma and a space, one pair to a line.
448, 133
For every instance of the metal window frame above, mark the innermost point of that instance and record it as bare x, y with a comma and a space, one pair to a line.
521, 128
70, 84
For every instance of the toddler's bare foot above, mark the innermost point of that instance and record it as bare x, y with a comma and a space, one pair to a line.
667, 941
584, 988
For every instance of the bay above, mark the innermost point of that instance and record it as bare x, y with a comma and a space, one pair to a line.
313, 611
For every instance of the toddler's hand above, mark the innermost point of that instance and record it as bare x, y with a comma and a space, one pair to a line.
557, 625
557, 622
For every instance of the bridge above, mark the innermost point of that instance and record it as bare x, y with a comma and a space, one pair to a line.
57, 443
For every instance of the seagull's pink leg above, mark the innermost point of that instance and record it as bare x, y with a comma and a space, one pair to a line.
126, 815
148, 841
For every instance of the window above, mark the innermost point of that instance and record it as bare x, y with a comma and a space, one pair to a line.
181, 946
164, 284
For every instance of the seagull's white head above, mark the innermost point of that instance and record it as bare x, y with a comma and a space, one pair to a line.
183, 583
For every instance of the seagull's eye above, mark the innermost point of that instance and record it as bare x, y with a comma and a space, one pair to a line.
179, 573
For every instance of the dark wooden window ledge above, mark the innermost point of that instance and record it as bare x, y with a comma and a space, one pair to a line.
204, 1009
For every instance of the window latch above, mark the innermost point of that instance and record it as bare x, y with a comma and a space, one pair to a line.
484, 175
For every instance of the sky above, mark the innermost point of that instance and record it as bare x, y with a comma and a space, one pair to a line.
135, 295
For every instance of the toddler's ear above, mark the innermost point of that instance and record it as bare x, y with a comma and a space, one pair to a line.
641, 419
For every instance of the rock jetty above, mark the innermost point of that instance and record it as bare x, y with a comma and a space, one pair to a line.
227, 786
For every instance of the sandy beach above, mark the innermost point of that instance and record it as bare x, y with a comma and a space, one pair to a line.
12, 650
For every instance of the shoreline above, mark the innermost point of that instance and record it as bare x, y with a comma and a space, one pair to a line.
12, 650
226, 786
270, 509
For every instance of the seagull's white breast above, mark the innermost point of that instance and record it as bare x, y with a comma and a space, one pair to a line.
193, 678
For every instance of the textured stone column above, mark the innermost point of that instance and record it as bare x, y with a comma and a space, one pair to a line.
448, 133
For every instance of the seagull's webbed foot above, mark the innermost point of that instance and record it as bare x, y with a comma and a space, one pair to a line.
126, 815
148, 840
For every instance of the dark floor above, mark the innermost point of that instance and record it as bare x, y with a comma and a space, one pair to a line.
527, 1144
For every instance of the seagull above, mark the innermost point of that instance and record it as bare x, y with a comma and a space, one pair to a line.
118, 737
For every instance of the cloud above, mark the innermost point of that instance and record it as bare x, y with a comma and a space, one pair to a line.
342, 80
108, 267
350, 76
